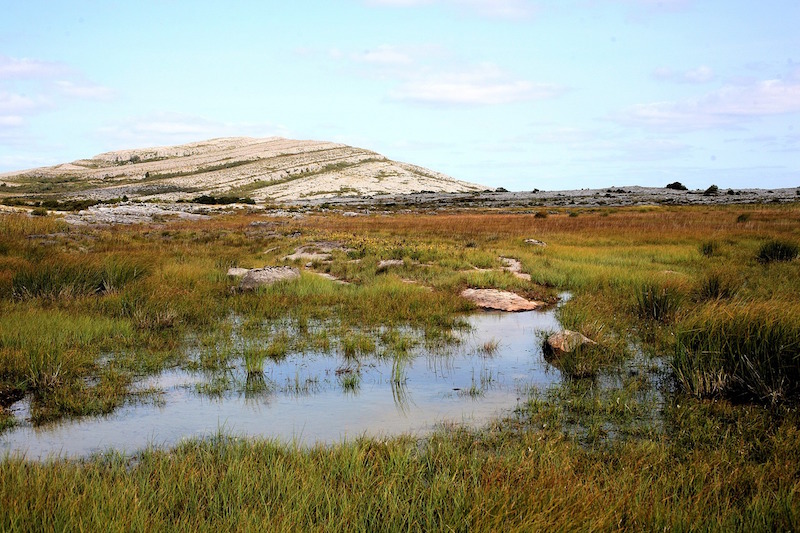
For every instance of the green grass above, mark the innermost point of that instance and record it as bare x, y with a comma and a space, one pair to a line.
683, 418
748, 351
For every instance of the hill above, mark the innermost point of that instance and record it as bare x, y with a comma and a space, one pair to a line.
262, 169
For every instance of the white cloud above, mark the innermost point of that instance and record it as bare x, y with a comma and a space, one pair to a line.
11, 121
482, 85
17, 103
565, 135
22, 68
176, 128
84, 91
701, 74
511, 9
385, 55
723, 108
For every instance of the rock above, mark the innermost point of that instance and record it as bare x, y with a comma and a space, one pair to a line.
316, 251
235, 272
258, 277
535, 242
332, 278
567, 341
515, 267
500, 300
386, 263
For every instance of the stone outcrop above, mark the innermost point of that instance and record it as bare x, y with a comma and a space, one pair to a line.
500, 300
258, 277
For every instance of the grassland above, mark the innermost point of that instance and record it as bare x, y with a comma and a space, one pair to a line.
684, 418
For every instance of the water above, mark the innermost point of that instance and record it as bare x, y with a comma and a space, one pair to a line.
306, 401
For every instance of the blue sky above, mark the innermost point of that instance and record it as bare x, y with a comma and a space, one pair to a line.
516, 93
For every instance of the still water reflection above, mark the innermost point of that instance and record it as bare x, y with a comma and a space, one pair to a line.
308, 401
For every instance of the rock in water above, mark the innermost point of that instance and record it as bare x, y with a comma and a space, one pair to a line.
258, 277
567, 341
500, 300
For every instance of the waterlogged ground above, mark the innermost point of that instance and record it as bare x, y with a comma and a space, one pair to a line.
317, 397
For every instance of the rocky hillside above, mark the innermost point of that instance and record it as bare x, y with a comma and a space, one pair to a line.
261, 169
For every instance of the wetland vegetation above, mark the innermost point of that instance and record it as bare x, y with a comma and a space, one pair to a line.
684, 416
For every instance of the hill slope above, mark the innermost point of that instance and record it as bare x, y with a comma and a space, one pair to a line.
263, 169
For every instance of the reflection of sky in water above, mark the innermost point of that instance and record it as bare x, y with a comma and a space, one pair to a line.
431, 389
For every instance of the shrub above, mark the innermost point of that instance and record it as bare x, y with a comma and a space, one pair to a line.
540, 214
711, 191
777, 251
40, 212
744, 217
677, 186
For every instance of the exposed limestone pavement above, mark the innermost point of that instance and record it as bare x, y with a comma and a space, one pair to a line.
500, 300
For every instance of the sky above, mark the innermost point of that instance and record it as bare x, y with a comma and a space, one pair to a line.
521, 94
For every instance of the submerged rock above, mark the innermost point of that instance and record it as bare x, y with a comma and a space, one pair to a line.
500, 300
258, 277
567, 341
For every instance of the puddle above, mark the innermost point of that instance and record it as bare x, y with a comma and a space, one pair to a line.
305, 400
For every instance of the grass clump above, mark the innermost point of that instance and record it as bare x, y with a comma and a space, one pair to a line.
744, 351
709, 248
777, 250
657, 302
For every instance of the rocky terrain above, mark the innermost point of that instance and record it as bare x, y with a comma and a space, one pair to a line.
283, 176
264, 170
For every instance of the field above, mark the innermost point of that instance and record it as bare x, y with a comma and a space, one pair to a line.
684, 416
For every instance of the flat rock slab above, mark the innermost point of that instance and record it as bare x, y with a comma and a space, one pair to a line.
500, 300
316, 251
535, 242
567, 341
332, 278
386, 263
515, 267
258, 277
235, 272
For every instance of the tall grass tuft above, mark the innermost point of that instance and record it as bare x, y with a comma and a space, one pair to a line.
777, 250
708, 248
64, 277
717, 285
744, 351
657, 302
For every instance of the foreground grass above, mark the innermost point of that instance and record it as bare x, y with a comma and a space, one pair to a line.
700, 431
503, 478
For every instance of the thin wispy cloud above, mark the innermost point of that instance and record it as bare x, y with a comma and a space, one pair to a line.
85, 91
725, 107
509, 9
175, 128
12, 68
701, 74
459, 89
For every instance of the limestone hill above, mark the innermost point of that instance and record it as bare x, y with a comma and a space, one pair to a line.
262, 169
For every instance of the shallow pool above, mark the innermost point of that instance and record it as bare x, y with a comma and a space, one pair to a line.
312, 398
